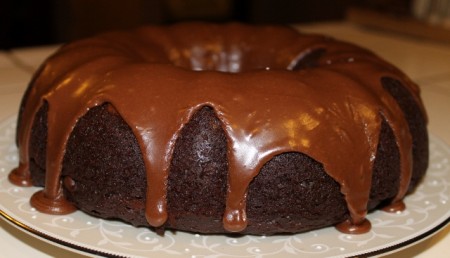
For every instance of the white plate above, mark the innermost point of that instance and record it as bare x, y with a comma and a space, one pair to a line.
428, 210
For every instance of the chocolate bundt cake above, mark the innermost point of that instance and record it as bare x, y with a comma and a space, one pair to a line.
221, 128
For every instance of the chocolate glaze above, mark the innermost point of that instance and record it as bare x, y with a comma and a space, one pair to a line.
19, 176
349, 227
270, 94
394, 207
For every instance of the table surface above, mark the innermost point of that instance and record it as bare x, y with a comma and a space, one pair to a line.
426, 62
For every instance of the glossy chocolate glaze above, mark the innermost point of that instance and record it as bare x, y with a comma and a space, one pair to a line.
274, 91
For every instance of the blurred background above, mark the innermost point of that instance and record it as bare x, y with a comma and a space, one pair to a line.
40, 22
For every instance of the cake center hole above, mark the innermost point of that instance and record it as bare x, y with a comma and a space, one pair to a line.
211, 57
234, 59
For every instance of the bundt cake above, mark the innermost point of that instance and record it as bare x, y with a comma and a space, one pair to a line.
221, 128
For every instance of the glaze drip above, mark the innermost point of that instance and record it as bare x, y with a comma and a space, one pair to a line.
267, 100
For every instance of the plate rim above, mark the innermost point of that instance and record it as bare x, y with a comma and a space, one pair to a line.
86, 250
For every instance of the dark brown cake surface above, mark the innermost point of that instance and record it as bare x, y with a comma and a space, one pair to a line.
295, 132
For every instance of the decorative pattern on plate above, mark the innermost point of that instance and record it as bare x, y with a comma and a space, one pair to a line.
428, 209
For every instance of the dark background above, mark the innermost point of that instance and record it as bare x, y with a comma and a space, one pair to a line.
38, 22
